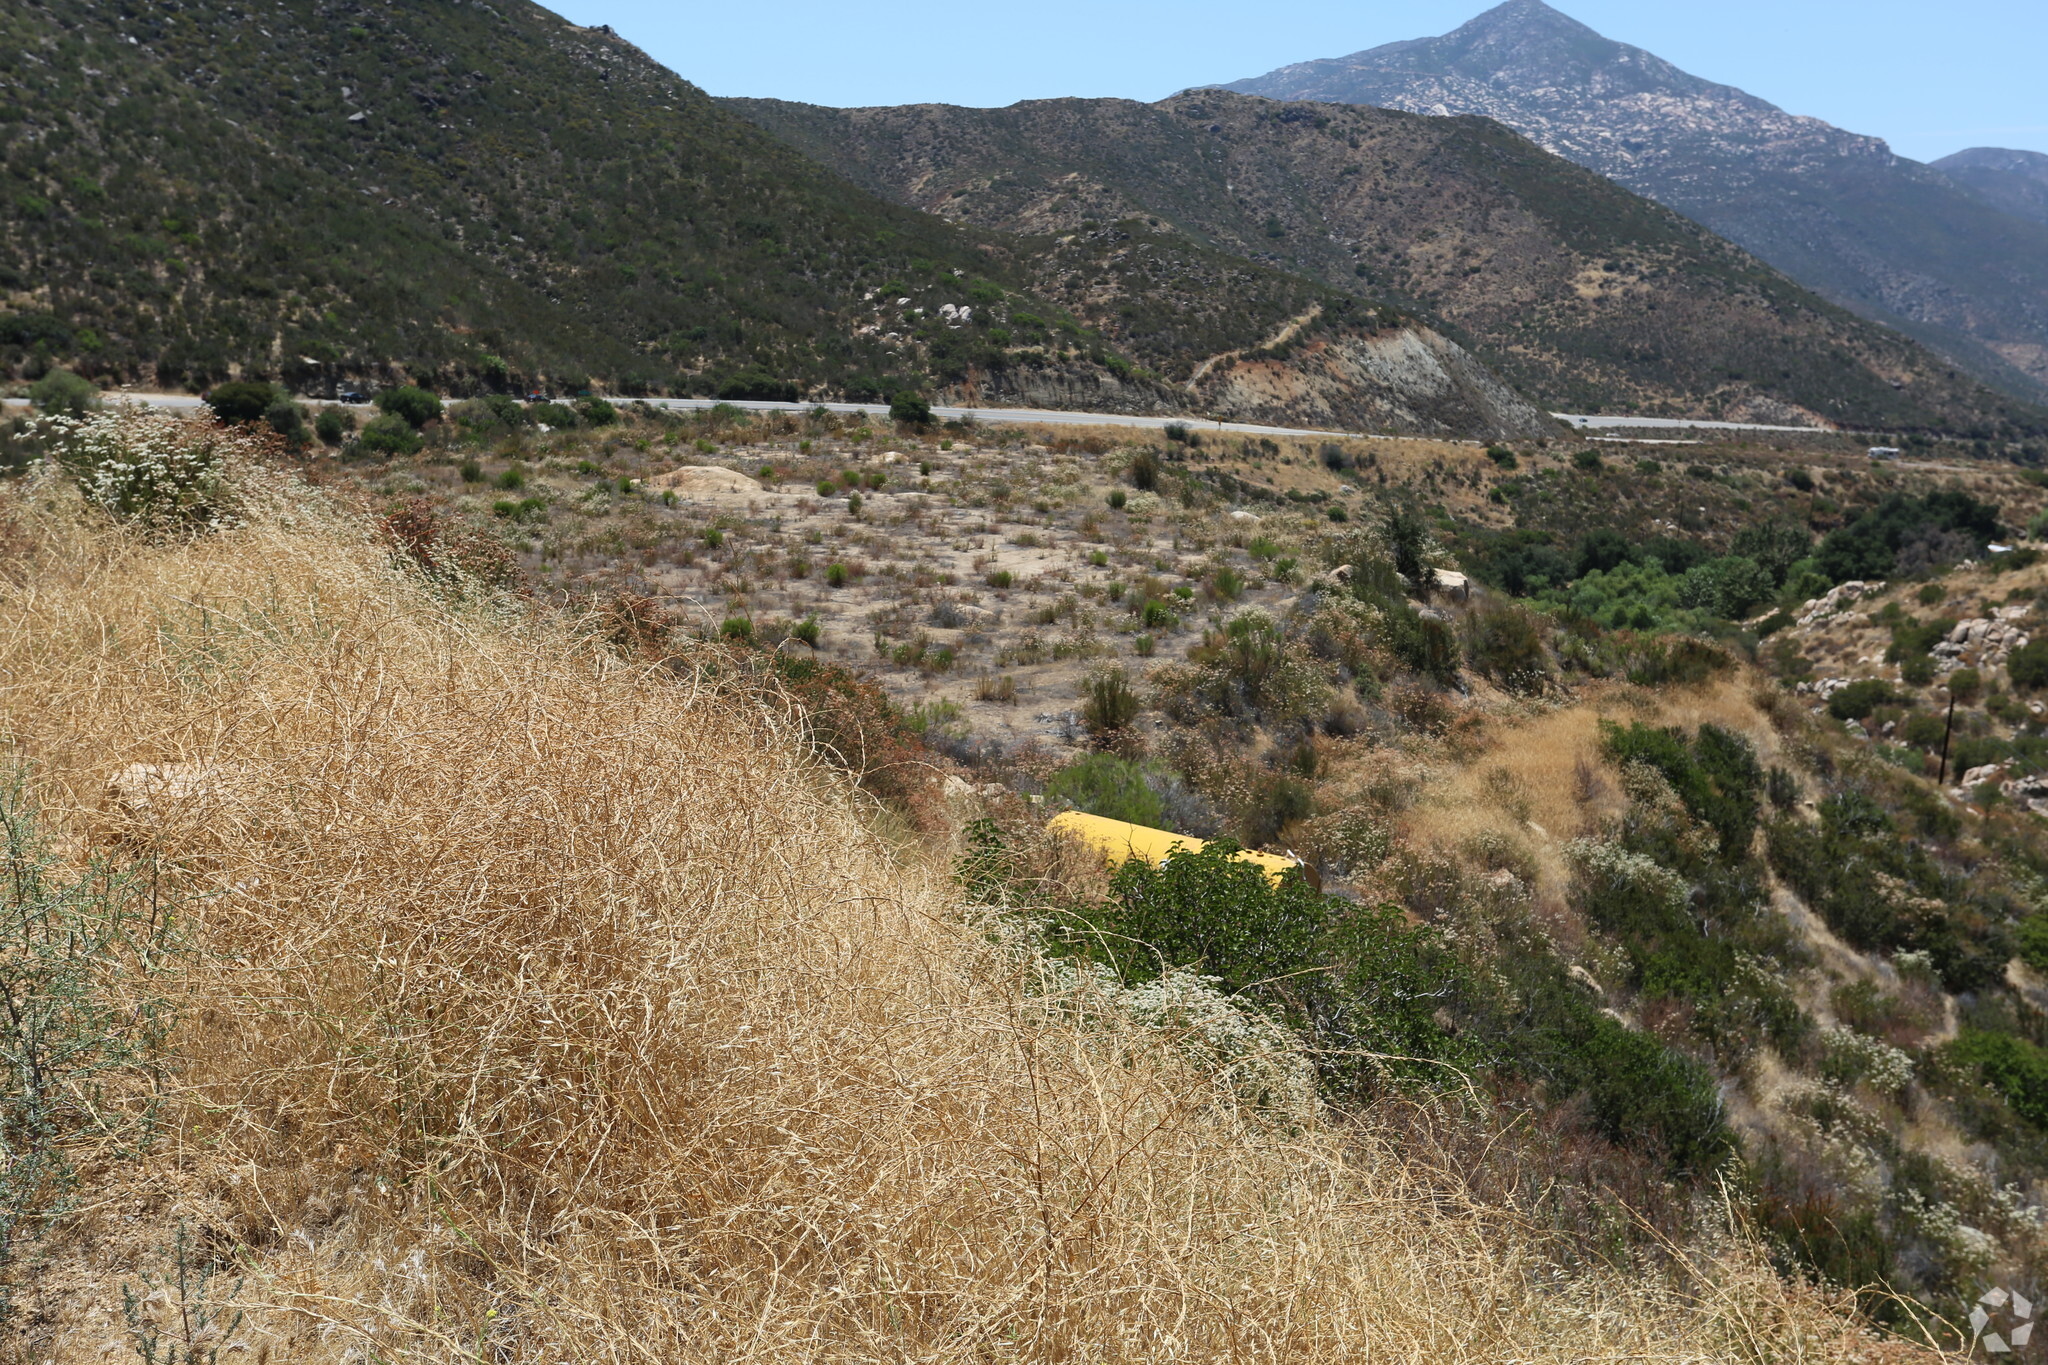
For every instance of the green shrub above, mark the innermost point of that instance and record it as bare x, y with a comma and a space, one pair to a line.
61, 391
2014, 1067
512, 479
2027, 666
1860, 698
2032, 940
1001, 579
597, 412
241, 400
412, 403
1426, 644
1965, 685
1114, 788
470, 471
1108, 702
388, 435
1683, 662
1716, 774
555, 416
1882, 892
522, 509
1731, 587
288, 420
1144, 471
1503, 643
333, 426
807, 630
911, 409
1774, 546
738, 629
1587, 460
836, 575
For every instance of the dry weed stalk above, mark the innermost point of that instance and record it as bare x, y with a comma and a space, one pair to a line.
552, 1010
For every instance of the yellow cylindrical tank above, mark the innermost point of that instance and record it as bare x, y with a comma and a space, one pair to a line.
1120, 840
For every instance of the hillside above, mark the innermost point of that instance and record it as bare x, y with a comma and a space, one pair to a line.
1639, 886
1888, 237
498, 991
2015, 181
492, 197
1563, 283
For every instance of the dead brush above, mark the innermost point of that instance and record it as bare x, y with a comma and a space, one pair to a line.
555, 1007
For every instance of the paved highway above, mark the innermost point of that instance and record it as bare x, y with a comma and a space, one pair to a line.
1057, 417
1584, 423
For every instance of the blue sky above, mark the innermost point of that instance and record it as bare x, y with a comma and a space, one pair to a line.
1931, 77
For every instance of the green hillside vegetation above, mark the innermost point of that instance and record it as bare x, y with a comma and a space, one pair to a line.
1563, 282
491, 198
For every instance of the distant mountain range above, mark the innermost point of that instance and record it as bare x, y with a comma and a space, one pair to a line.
1563, 282
1956, 255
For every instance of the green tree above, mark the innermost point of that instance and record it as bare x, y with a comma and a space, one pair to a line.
911, 409
64, 392
389, 435
1729, 587
242, 400
410, 402
1408, 542
1774, 545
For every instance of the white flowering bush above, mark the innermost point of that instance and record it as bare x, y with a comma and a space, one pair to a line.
1608, 870
154, 469
1849, 1057
1244, 1052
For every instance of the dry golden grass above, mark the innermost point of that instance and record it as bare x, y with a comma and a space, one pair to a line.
546, 1009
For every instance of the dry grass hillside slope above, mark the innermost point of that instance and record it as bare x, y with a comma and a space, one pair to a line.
518, 1002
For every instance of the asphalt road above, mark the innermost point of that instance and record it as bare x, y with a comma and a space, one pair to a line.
1056, 417
1585, 423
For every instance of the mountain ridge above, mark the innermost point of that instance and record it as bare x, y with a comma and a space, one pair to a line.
1564, 283
491, 197
2014, 180
1840, 212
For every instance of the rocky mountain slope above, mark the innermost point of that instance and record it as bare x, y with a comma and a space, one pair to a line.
487, 196
2015, 181
1564, 283
1889, 237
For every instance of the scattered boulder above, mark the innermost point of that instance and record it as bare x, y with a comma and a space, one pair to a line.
1455, 586
1982, 641
2028, 793
1836, 600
